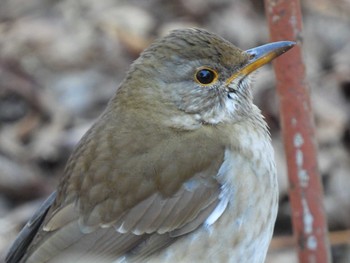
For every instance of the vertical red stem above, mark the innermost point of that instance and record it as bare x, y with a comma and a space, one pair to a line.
305, 189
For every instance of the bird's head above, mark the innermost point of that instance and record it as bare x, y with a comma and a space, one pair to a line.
195, 77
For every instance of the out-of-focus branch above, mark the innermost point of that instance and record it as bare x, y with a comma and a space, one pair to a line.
305, 189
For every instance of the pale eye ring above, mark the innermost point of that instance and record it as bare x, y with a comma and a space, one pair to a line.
206, 76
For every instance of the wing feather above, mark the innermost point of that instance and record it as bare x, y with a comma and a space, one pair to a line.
29, 231
152, 224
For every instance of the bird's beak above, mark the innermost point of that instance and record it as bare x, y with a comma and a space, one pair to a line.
262, 55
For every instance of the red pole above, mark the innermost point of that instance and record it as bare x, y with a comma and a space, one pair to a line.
305, 189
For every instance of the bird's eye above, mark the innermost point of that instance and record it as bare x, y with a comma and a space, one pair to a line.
206, 76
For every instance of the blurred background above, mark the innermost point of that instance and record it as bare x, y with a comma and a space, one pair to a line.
61, 61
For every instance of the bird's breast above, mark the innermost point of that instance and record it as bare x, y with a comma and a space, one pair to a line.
241, 232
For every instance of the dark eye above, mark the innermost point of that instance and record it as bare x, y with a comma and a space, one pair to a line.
206, 76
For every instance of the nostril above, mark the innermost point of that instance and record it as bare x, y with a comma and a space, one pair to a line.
252, 55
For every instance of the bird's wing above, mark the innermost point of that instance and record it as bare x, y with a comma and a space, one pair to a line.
147, 227
115, 206
176, 215
28, 232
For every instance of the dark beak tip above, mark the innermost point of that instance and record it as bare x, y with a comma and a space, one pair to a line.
285, 46
290, 44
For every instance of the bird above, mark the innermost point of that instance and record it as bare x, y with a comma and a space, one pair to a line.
178, 168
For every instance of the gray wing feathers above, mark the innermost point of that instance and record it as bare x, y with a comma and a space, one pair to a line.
25, 237
157, 214
152, 224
